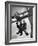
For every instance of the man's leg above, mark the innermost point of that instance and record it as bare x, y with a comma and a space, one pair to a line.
26, 32
21, 33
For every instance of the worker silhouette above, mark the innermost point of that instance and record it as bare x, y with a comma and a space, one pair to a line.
22, 27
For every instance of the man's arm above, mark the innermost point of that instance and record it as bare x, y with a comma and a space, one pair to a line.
18, 26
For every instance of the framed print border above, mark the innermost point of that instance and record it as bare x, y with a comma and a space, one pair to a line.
7, 21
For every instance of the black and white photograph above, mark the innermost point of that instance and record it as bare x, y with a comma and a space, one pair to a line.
20, 22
